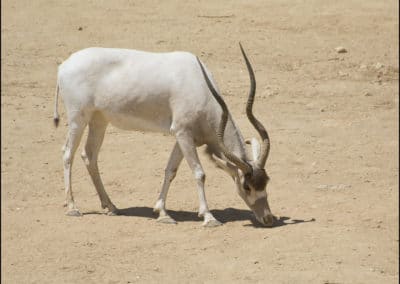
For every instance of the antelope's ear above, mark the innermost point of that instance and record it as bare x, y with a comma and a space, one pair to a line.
255, 148
228, 167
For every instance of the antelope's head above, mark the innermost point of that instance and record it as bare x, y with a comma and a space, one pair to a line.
250, 176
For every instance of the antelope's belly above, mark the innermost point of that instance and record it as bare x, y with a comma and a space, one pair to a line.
150, 122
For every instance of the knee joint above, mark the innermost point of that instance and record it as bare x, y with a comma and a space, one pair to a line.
85, 158
200, 176
170, 173
67, 158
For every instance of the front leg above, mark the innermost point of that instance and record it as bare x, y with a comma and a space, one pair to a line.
189, 151
170, 173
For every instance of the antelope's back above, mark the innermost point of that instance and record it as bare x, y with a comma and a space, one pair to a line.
135, 89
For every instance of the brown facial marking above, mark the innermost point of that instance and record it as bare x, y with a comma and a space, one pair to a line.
258, 180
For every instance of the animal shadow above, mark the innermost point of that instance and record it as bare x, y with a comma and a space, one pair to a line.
225, 216
281, 221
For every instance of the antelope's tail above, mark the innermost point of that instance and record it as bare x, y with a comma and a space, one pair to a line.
56, 117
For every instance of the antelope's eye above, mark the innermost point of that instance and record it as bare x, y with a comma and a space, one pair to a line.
246, 187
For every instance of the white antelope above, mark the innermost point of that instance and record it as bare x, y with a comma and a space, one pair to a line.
162, 92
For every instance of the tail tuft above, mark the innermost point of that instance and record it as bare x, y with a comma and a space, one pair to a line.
56, 121
56, 118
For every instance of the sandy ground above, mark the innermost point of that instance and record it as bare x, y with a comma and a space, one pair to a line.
332, 118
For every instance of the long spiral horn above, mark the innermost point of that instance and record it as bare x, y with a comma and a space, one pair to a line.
265, 144
242, 165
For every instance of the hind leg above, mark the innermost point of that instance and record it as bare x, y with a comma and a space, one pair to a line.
76, 128
97, 129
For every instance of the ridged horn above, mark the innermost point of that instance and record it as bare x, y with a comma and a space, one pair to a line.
265, 143
242, 165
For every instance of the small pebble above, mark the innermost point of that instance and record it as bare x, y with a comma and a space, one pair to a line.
340, 49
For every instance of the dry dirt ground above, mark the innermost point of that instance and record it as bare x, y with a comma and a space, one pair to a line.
332, 118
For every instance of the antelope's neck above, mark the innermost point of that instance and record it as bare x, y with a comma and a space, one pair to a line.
234, 140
